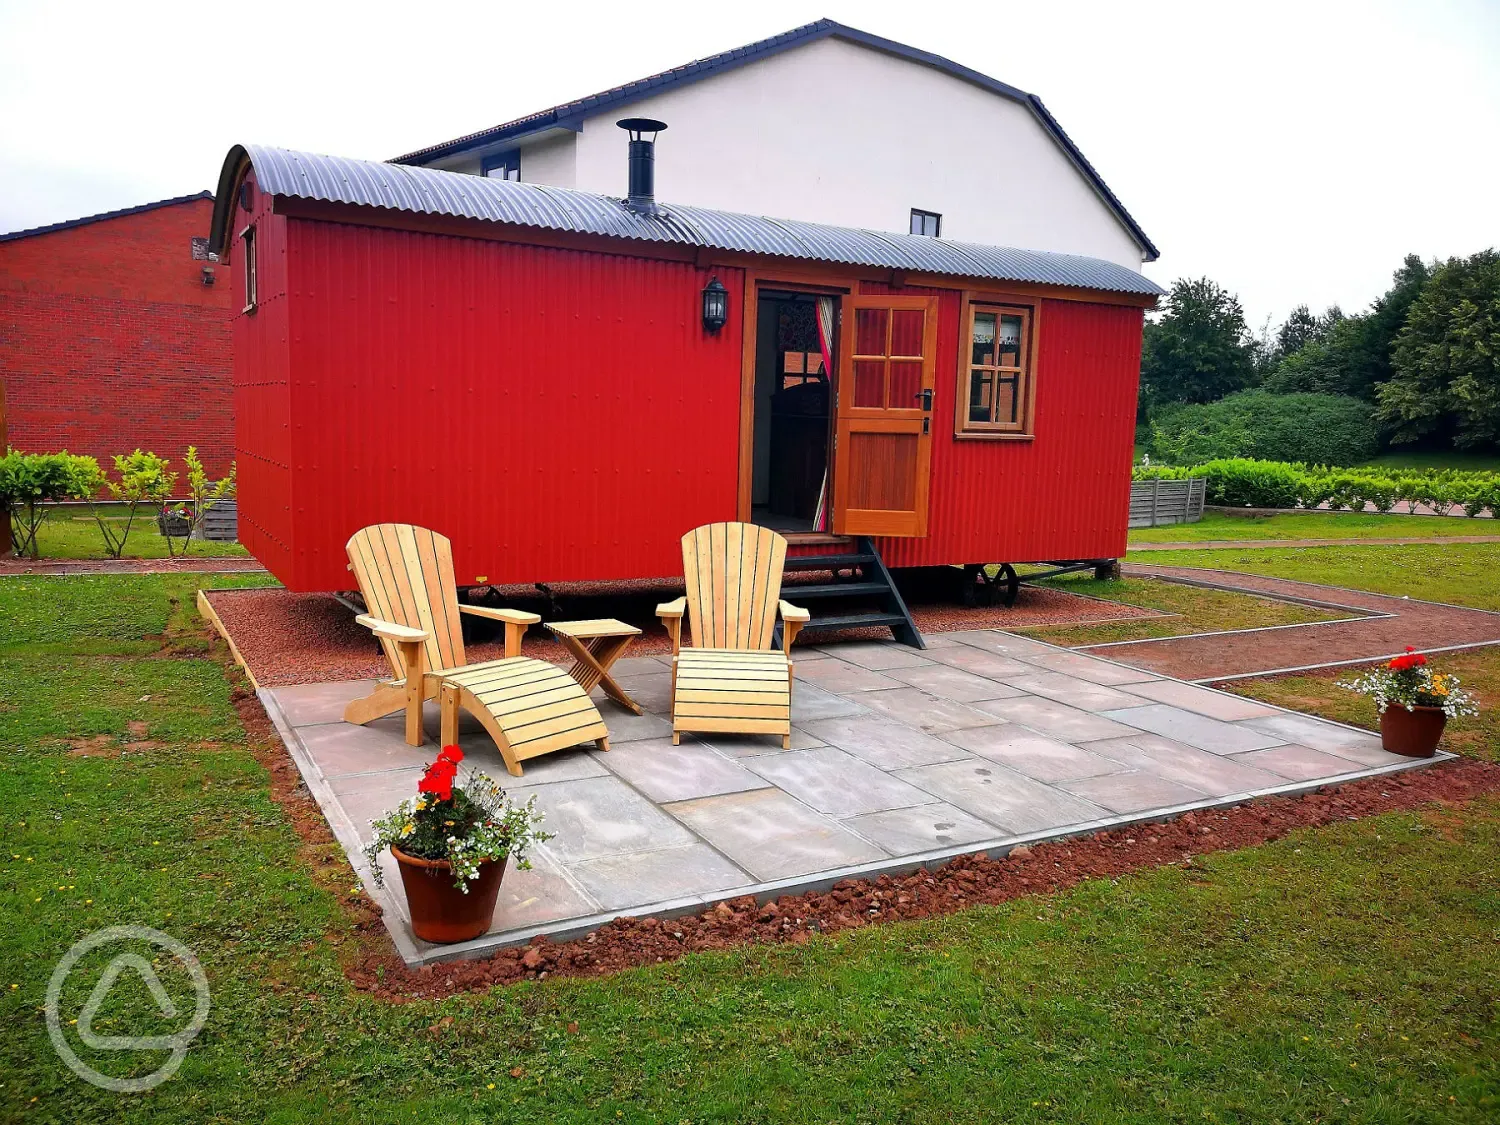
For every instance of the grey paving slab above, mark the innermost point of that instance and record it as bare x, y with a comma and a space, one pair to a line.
542, 894
883, 743
810, 702
877, 655
1035, 755
1005, 644
750, 745
665, 772
622, 882
305, 704
773, 835
1196, 730
1075, 692
1057, 720
1003, 797
640, 666
1204, 701
981, 662
952, 682
835, 782
625, 727
343, 748
1298, 763
917, 708
369, 796
921, 828
652, 691
1214, 774
1133, 791
1090, 668
839, 676
938, 640
599, 816
560, 765
1304, 730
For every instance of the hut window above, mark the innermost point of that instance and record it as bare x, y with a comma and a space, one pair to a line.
247, 236
929, 223
503, 165
996, 377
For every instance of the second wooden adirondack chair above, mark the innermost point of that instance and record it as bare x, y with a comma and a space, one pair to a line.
529, 707
731, 680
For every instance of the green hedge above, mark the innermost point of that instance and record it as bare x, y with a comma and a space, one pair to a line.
1313, 428
1246, 483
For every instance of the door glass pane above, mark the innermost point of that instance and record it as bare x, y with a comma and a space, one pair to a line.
1010, 341
906, 382
869, 331
979, 396
906, 331
984, 339
869, 382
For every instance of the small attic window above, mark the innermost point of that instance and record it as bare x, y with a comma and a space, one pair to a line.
502, 165
929, 223
247, 236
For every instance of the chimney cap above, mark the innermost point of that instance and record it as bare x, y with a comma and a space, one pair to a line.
635, 126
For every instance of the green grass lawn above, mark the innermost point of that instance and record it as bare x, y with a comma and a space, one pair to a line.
1447, 459
71, 533
1459, 573
1343, 974
1312, 525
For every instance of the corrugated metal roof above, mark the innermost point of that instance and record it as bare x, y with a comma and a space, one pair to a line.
571, 115
427, 191
69, 224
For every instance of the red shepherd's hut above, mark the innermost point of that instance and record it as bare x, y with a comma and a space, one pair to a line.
564, 383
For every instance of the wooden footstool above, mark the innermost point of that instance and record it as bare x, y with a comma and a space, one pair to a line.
595, 646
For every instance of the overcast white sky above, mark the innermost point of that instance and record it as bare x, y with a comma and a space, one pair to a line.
1292, 151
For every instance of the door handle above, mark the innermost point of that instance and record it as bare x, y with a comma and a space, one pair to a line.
926, 397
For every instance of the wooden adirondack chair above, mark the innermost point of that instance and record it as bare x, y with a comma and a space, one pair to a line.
731, 680
528, 706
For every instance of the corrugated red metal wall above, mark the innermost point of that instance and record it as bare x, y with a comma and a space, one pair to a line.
262, 390
1063, 495
559, 414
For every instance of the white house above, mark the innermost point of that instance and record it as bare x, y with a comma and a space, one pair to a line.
829, 124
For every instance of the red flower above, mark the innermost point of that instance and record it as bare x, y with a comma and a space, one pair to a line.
438, 779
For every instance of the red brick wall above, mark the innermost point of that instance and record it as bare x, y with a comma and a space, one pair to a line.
109, 339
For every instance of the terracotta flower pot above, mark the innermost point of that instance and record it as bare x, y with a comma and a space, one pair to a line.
440, 912
1414, 733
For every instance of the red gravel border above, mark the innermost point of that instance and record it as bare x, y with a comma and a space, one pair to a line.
964, 882
289, 638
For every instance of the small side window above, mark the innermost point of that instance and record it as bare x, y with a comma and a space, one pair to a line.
996, 376
247, 236
929, 223
502, 165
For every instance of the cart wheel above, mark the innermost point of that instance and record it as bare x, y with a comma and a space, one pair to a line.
1006, 585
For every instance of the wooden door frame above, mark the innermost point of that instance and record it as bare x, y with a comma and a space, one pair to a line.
796, 281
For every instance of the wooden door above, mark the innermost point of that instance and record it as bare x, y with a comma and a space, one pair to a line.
882, 447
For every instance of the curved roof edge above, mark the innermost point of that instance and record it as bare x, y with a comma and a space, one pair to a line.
69, 224
570, 115
426, 191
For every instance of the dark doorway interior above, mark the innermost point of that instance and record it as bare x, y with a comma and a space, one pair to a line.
792, 401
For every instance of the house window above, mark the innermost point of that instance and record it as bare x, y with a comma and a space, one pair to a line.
502, 165
929, 223
247, 236
996, 380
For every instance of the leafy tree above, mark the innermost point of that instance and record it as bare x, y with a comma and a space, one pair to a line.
1199, 349
1446, 362
1350, 355
31, 482
203, 494
144, 479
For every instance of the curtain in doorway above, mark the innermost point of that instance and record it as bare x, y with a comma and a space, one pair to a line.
825, 341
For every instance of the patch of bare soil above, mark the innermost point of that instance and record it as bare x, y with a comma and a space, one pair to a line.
966, 881
289, 638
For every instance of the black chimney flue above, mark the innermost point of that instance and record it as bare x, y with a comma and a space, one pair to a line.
642, 130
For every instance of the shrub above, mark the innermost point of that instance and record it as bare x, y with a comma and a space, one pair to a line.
144, 479
203, 494
29, 481
1312, 428
1254, 484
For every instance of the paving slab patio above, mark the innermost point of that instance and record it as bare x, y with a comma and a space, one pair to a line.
899, 757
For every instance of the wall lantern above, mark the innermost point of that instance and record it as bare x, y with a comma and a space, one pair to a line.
715, 305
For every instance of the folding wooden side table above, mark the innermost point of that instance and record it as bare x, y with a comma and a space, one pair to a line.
595, 646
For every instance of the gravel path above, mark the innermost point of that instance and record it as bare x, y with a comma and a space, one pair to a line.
1394, 623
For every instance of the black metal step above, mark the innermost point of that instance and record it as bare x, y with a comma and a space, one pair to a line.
826, 562
793, 592
855, 621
